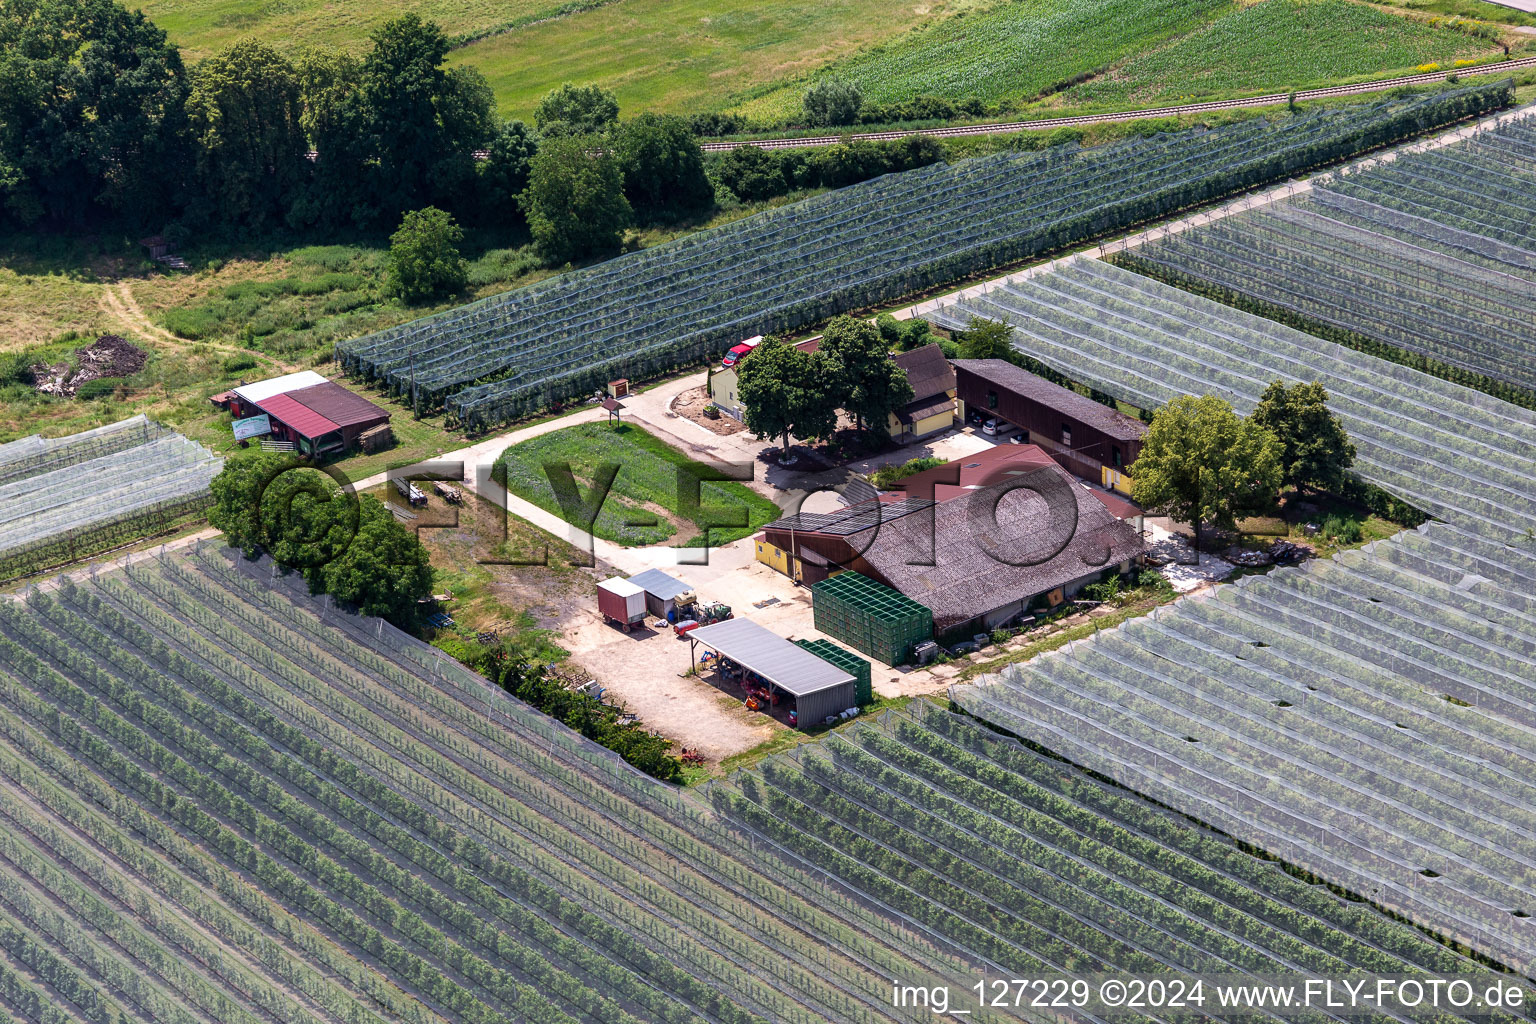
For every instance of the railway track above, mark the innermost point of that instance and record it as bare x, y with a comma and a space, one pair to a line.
1502, 67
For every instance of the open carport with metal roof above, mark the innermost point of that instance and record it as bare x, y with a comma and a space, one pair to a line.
821, 689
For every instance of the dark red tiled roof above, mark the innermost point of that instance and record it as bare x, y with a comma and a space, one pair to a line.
297, 417
338, 405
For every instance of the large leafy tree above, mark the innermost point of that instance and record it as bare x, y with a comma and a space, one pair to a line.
383, 571
867, 382
986, 339
424, 260
833, 101
1316, 451
504, 173
786, 391
92, 113
1202, 463
575, 201
663, 165
576, 110
335, 120
753, 173
426, 120
246, 120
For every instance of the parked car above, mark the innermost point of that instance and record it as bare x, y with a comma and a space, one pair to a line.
990, 427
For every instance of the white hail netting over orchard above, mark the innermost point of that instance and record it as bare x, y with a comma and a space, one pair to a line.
1372, 718
69, 487
677, 303
1433, 252
431, 843
1038, 868
1458, 454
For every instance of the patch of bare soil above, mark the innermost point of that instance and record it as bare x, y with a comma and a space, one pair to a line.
691, 404
107, 356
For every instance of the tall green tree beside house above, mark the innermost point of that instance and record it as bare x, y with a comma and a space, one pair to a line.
245, 113
785, 391
1316, 451
986, 339
1201, 462
866, 381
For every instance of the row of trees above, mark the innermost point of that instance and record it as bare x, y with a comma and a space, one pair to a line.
788, 390
101, 122
1202, 463
349, 547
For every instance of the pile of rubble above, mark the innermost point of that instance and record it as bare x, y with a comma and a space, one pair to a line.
107, 356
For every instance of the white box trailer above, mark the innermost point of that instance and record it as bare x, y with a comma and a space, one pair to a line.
621, 602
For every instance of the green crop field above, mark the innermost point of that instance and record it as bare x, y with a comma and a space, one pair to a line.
1014, 50
643, 506
1157, 52
1277, 45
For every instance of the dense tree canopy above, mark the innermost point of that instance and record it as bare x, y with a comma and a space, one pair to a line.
424, 260
866, 382
575, 201
752, 173
504, 173
426, 120
986, 339
786, 391
576, 110
1202, 463
92, 112
246, 119
663, 165
349, 547
831, 102
1316, 451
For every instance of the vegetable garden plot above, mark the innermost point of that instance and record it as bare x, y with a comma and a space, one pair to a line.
675, 304
300, 815
1456, 453
1371, 719
1433, 253
1037, 867
64, 498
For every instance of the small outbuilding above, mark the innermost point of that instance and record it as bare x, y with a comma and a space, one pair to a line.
661, 590
820, 689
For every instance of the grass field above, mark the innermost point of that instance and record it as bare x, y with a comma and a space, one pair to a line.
685, 55
1278, 45
202, 27
643, 506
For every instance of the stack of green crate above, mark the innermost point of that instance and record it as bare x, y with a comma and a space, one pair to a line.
849, 662
870, 617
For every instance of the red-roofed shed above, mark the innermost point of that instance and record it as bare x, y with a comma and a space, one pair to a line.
314, 434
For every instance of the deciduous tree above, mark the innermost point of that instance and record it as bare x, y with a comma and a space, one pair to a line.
424, 260
504, 173
663, 165
866, 381
245, 115
833, 101
1316, 451
576, 110
575, 201
785, 391
1202, 463
986, 339
92, 114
